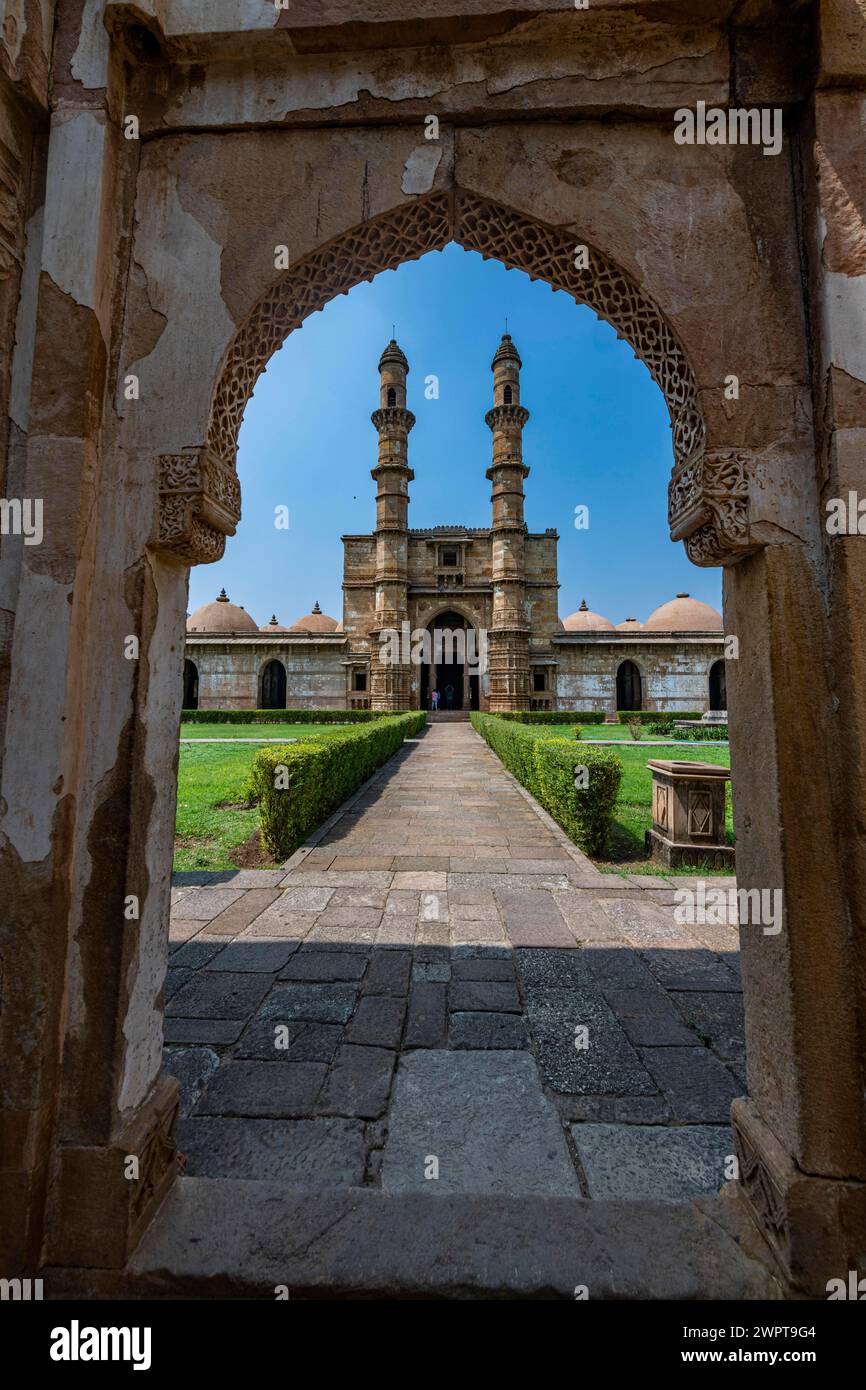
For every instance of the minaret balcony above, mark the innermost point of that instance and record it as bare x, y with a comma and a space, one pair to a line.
501, 416
393, 417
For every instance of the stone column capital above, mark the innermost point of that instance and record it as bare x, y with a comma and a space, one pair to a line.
199, 505
708, 507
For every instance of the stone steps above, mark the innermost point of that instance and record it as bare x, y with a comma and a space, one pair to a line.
216, 1239
448, 716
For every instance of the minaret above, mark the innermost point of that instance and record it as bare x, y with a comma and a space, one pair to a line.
508, 648
390, 683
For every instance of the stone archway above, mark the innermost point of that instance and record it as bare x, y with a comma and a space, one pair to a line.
89, 816
629, 686
710, 501
708, 495
272, 685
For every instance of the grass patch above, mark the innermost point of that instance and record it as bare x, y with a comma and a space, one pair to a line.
633, 814
278, 732
212, 815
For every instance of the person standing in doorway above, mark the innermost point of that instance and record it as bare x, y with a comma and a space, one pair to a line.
434, 700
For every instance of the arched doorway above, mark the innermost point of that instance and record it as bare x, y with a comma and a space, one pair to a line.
718, 686
629, 694
273, 686
452, 647
190, 684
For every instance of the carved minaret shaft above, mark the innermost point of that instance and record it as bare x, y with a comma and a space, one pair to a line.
509, 635
390, 681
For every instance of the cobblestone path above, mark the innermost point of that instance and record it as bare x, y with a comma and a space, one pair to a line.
442, 994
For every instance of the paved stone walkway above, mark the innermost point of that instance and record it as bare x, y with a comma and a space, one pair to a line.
400, 1007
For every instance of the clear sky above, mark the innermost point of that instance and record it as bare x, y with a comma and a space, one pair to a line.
598, 436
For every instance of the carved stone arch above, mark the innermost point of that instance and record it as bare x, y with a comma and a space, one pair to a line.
459, 606
708, 494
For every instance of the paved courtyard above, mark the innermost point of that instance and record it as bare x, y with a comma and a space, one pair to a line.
442, 994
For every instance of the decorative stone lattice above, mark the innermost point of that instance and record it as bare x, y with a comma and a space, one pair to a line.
708, 497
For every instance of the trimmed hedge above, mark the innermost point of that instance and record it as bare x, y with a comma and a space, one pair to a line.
552, 716
546, 767
320, 774
279, 716
656, 716
703, 733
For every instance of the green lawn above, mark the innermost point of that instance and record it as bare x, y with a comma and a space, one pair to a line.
626, 853
211, 784
275, 732
633, 808
619, 733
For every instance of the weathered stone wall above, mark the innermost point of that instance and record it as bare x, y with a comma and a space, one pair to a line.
674, 673
230, 672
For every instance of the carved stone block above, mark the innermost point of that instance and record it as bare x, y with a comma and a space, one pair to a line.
688, 809
199, 505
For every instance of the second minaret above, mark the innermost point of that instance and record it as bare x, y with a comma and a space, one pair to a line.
509, 634
390, 683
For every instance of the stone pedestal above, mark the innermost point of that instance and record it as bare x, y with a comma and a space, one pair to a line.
689, 814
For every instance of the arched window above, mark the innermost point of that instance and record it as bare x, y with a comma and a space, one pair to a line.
392, 396
507, 396
274, 686
718, 686
628, 687
190, 685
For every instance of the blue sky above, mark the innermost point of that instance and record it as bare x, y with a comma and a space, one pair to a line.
598, 436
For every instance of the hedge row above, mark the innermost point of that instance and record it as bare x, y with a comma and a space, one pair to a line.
703, 733
298, 785
655, 716
549, 768
552, 716
278, 716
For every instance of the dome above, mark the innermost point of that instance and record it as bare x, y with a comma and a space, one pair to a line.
220, 616
684, 614
274, 626
630, 625
315, 622
585, 621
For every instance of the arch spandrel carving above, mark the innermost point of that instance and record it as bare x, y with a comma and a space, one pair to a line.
708, 494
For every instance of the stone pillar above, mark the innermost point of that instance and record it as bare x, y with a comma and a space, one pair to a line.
83, 932
509, 633
391, 681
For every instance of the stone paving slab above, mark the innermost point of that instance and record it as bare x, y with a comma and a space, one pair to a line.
482, 1116
309, 1154
442, 926
653, 1162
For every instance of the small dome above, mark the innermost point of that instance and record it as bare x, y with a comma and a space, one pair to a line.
630, 625
506, 352
684, 614
394, 353
585, 621
315, 622
220, 616
274, 626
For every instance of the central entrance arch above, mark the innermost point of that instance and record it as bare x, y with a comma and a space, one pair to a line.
453, 643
